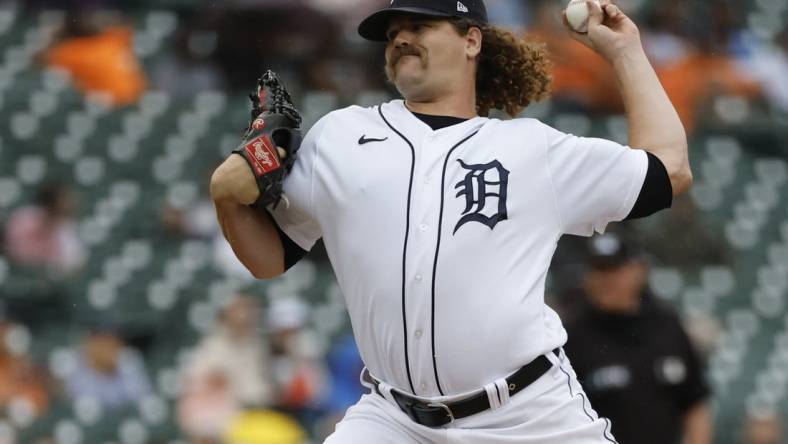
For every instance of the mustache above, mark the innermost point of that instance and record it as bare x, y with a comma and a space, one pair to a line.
406, 50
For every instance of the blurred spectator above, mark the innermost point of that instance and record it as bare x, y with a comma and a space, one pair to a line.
108, 371
297, 369
511, 14
20, 379
207, 408
264, 427
344, 367
691, 56
632, 355
763, 429
767, 62
45, 234
582, 79
188, 68
286, 36
99, 58
664, 36
227, 372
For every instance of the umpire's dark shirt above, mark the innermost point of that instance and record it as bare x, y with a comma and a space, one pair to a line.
639, 371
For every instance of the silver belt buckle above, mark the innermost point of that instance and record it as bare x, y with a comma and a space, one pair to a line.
444, 407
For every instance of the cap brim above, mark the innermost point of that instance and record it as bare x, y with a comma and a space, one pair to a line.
375, 26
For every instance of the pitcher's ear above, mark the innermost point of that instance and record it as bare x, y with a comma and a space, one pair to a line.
474, 42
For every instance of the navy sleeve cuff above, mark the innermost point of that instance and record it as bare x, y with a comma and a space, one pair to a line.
293, 253
657, 192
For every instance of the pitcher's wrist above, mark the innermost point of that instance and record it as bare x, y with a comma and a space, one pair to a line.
626, 57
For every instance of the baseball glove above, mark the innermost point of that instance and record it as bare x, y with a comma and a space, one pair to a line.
271, 141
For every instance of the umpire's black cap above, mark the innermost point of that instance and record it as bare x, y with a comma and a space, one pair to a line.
375, 26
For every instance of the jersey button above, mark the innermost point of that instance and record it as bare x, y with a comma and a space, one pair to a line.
418, 334
427, 180
423, 227
424, 386
419, 277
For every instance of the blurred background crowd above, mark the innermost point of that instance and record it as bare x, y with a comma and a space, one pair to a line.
124, 316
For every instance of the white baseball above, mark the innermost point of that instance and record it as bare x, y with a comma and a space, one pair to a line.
577, 15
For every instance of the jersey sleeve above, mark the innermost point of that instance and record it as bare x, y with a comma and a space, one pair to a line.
296, 216
595, 181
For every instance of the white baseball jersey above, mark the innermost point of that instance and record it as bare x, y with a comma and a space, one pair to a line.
441, 240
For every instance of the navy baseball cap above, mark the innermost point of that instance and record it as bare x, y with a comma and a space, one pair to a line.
375, 26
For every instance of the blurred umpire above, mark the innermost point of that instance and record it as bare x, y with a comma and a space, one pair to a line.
632, 355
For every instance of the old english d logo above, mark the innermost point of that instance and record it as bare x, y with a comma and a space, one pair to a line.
484, 188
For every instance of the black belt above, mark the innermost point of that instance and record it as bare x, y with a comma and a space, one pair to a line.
436, 414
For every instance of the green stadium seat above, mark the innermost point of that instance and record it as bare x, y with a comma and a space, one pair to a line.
68, 431
55, 80
162, 296
24, 125
137, 126
161, 23
732, 110
767, 304
133, 431
154, 103
43, 103
210, 104
31, 169
80, 125
87, 411
101, 295
122, 149
89, 171
62, 361
168, 383
723, 149
68, 148
154, 410
697, 301
771, 171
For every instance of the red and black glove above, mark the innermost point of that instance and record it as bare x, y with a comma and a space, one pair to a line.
275, 123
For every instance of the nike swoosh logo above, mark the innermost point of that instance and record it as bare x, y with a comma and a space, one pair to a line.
363, 140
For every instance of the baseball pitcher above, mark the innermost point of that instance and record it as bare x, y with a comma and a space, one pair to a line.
440, 222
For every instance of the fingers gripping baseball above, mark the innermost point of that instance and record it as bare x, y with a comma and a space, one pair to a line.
610, 32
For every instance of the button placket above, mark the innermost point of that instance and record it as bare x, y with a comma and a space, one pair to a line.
424, 215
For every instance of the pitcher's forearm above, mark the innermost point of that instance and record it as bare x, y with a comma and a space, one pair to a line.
253, 237
654, 124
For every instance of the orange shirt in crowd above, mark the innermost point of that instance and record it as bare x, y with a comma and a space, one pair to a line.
582, 76
19, 379
102, 63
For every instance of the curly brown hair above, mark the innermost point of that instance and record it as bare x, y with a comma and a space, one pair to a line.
512, 72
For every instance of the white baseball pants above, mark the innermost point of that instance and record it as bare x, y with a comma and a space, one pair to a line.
552, 410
